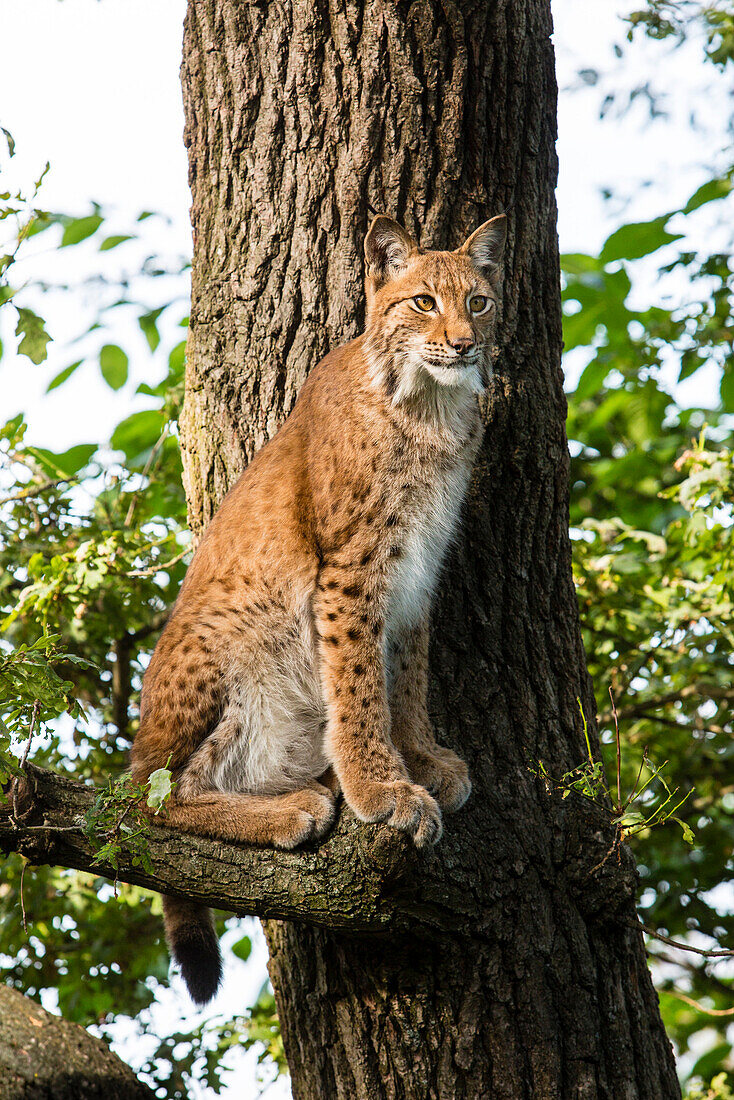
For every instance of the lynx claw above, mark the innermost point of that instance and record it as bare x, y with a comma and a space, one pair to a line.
403, 805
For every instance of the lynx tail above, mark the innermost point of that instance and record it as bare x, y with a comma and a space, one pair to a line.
193, 944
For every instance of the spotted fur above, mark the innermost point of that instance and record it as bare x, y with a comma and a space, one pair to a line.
295, 660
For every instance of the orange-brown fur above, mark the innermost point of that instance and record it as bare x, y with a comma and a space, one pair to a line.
295, 659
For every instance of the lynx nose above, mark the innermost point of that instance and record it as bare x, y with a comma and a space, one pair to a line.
461, 344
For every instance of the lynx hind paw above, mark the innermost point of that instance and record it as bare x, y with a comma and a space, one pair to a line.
308, 815
404, 805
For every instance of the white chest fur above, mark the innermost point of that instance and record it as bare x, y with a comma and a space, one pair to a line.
424, 544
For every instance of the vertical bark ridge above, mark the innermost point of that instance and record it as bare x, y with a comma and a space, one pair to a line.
299, 117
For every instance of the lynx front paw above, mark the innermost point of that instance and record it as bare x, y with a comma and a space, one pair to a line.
443, 773
403, 805
301, 816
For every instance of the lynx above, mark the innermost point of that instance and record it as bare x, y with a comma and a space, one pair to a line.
294, 664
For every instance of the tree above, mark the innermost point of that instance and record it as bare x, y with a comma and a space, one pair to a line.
318, 115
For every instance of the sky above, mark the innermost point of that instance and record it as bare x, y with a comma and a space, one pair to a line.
93, 88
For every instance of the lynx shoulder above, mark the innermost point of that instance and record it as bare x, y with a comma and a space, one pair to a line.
294, 663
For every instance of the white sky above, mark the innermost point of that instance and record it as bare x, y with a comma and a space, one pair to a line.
93, 88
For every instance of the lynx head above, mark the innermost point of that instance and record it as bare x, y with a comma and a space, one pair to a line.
431, 315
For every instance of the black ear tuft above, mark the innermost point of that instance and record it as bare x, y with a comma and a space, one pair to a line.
486, 244
387, 247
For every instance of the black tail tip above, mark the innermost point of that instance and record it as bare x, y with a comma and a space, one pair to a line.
200, 960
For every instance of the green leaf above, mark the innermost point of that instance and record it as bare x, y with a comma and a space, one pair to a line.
159, 786
112, 242
726, 389
137, 433
14, 430
591, 380
67, 463
713, 1059
243, 948
78, 229
149, 327
10, 140
631, 817
62, 376
578, 263
177, 359
709, 192
34, 336
637, 239
688, 835
113, 363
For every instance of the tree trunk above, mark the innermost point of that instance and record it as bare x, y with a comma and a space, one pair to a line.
299, 119
43, 1057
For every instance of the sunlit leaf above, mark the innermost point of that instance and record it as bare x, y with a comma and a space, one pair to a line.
113, 363
638, 239
149, 327
78, 229
113, 242
34, 337
708, 192
159, 787
64, 463
62, 376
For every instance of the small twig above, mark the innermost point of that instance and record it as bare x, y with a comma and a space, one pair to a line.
33, 489
24, 758
149, 572
633, 792
619, 751
702, 688
616, 843
34, 717
722, 953
22, 903
699, 1007
699, 972
146, 470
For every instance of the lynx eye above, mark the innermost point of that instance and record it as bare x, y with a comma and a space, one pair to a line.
425, 302
478, 303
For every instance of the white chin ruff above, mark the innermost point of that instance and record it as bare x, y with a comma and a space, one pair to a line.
467, 375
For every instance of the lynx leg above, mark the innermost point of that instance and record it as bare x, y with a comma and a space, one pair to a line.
330, 780
438, 769
281, 820
371, 772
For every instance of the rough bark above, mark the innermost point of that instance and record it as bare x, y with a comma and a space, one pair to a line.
43, 1057
299, 118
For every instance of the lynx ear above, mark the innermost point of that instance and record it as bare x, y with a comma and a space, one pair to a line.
486, 244
387, 247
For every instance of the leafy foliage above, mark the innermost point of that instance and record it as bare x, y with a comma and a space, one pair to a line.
93, 548
650, 801
117, 820
651, 515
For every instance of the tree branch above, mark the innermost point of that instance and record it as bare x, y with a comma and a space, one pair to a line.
642, 708
360, 879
